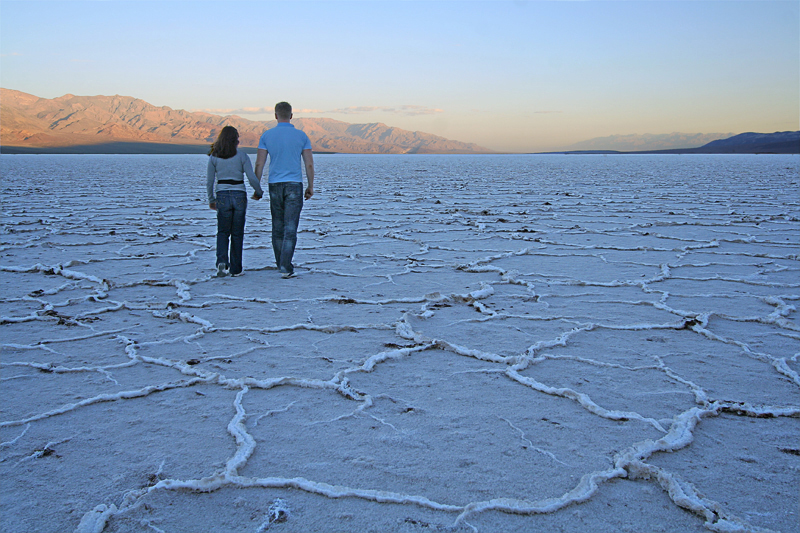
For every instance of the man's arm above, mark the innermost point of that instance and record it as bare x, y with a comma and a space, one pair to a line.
308, 160
261, 160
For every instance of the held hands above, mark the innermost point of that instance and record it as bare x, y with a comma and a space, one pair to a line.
256, 197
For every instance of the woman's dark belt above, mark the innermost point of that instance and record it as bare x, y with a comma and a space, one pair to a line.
230, 182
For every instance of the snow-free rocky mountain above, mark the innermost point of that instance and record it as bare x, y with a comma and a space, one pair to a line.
89, 123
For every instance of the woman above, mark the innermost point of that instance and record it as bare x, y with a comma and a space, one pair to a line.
226, 168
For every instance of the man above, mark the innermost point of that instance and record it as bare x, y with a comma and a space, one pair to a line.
286, 146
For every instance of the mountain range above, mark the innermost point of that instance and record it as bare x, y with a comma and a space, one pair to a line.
648, 141
113, 124
780, 142
123, 124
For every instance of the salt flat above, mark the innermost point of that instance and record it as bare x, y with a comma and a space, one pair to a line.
474, 343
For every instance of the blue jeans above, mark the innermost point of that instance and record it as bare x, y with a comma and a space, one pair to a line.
231, 211
285, 204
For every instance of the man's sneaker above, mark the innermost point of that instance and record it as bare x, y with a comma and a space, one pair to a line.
222, 270
287, 275
238, 274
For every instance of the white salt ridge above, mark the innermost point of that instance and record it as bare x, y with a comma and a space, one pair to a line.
467, 273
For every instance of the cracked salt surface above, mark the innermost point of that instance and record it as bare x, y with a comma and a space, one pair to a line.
498, 343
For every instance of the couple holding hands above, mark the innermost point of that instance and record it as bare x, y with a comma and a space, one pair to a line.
286, 147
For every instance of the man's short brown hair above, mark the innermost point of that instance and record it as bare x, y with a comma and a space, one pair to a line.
283, 110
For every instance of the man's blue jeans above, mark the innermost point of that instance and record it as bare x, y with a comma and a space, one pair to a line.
285, 203
231, 212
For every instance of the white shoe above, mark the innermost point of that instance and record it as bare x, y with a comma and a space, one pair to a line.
287, 275
222, 270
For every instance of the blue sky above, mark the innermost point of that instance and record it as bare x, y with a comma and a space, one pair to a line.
508, 75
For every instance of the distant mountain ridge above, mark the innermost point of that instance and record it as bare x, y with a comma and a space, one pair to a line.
781, 142
84, 123
760, 141
648, 141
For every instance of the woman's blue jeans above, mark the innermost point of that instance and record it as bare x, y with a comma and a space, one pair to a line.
231, 212
285, 203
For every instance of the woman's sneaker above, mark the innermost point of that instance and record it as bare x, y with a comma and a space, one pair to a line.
222, 270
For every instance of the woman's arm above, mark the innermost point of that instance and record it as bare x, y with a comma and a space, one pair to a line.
211, 173
251, 177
